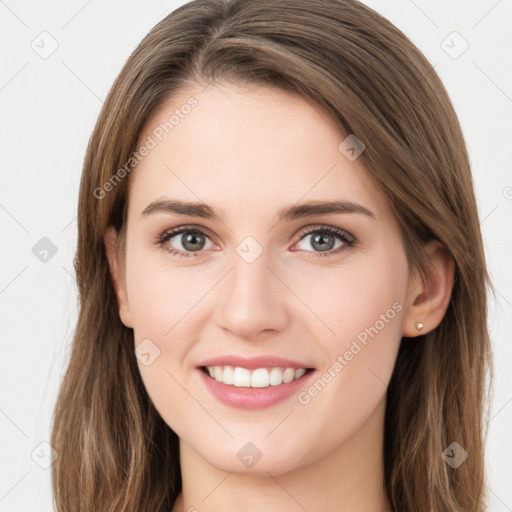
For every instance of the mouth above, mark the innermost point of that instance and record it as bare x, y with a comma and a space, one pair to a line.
254, 383
265, 377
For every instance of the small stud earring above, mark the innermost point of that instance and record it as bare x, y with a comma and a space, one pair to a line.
419, 326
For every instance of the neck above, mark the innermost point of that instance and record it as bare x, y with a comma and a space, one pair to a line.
350, 478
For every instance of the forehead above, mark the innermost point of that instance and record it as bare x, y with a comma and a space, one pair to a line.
254, 148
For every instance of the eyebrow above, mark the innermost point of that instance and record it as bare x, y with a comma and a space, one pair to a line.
298, 211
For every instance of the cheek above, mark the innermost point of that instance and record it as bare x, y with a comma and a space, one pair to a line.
164, 304
162, 298
355, 298
360, 307
164, 310
363, 305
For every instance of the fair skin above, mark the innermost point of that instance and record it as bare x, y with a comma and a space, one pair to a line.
248, 153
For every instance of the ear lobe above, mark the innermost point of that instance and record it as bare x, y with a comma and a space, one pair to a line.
117, 273
429, 296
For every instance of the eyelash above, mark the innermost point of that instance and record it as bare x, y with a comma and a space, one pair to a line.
345, 237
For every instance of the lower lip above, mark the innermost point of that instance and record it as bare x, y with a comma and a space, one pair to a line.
253, 398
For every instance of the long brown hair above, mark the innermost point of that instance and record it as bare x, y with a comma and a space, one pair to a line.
115, 451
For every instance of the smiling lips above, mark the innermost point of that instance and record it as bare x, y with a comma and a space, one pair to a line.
253, 383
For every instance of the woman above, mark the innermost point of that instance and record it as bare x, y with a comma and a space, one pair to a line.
281, 274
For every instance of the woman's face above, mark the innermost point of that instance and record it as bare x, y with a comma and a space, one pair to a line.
243, 281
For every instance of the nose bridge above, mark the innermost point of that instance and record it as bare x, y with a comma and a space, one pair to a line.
252, 298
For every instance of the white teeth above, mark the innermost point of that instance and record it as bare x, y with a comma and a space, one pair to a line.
299, 373
276, 376
288, 375
241, 377
227, 375
258, 378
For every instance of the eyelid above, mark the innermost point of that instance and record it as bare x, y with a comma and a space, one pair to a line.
328, 228
168, 233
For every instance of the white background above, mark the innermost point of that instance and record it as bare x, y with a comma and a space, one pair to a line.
48, 109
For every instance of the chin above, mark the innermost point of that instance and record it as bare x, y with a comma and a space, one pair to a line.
247, 459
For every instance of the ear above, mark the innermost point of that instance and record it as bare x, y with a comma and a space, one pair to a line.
118, 276
429, 296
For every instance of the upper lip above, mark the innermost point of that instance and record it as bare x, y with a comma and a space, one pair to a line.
251, 363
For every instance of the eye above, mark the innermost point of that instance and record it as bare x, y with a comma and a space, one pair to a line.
188, 239
327, 239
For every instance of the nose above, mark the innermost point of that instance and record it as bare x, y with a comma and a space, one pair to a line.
252, 300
